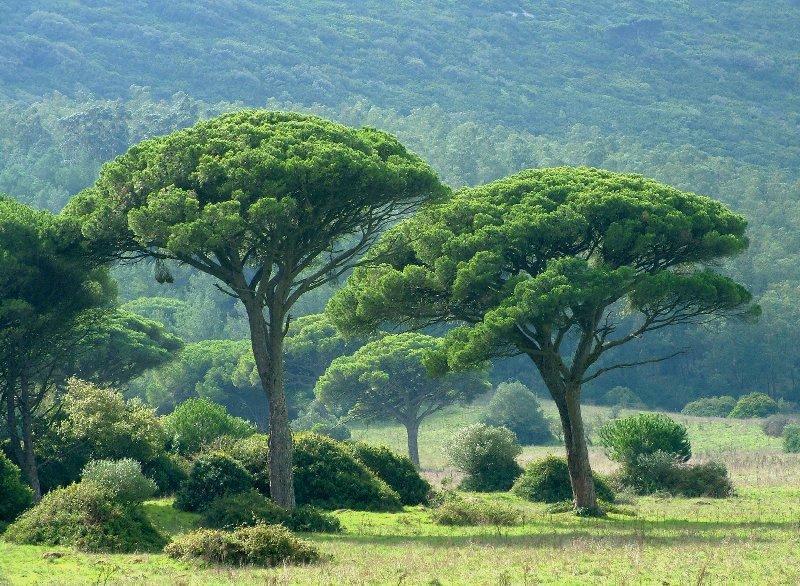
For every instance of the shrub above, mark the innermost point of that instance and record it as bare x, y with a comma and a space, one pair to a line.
84, 516
396, 470
261, 545
630, 437
327, 475
661, 472
487, 455
710, 406
251, 508
709, 479
197, 422
774, 424
318, 420
120, 479
15, 495
212, 476
754, 405
458, 511
623, 397
253, 453
791, 438
547, 481
168, 471
515, 407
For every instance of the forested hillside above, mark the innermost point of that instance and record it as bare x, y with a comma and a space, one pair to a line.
702, 95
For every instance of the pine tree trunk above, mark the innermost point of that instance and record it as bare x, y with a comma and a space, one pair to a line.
31, 468
268, 353
412, 431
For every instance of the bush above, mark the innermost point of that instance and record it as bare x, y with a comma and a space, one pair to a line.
327, 475
261, 545
212, 475
791, 438
629, 438
710, 406
318, 420
15, 495
703, 480
661, 472
487, 455
774, 424
515, 407
547, 481
122, 480
168, 471
251, 508
458, 511
623, 397
253, 453
754, 405
396, 470
197, 422
85, 517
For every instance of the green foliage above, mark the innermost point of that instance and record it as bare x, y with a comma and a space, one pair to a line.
327, 475
628, 438
197, 422
121, 480
791, 438
212, 475
487, 455
317, 419
85, 516
395, 470
774, 425
623, 397
515, 407
710, 406
16, 495
253, 453
660, 472
547, 481
252, 508
168, 471
460, 511
260, 545
754, 405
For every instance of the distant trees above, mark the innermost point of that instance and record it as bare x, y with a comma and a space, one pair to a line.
273, 205
562, 265
387, 380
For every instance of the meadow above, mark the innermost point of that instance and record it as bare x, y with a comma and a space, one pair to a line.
752, 537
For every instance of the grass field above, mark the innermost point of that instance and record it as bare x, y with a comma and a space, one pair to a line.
753, 537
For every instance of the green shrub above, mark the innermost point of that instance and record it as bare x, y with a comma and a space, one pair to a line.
253, 453
198, 422
754, 405
630, 437
260, 545
661, 472
85, 517
251, 508
710, 406
515, 407
15, 495
709, 479
458, 511
122, 480
168, 471
547, 481
396, 470
774, 424
791, 438
622, 397
327, 475
487, 455
212, 476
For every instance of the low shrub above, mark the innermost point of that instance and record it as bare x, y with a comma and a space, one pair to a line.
710, 406
260, 545
515, 407
168, 471
15, 495
709, 479
251, 508
253, 453
660, 472
754, 405
487, 455
458, 511
198, 422
791, 438
547, 481
122, 479
396, 470
212, 475
84, 516
774, 424
628, 438
327, 475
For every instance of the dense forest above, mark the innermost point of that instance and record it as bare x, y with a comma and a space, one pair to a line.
699, 96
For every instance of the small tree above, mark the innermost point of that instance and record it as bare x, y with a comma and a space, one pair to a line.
387, 379
271, 204
561, 265
197, 422
515, 407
